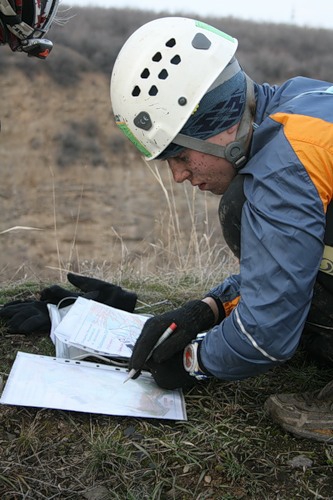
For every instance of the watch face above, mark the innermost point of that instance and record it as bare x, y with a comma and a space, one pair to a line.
189, 358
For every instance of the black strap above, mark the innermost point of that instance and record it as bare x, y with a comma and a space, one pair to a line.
326, 278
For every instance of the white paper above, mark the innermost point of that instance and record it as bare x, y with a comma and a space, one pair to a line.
99, 328
47, 382
56, 316
62, 349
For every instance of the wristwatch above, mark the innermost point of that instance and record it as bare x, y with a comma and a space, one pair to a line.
190, 358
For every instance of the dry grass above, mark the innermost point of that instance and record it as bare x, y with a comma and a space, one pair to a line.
186, 241
228, 448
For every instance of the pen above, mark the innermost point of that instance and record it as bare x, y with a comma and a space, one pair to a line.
162, 338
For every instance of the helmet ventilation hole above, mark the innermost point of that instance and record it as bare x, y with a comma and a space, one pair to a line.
163, 75
145, 73
153, 90
157, 57
136, 91
175, 60
171, 42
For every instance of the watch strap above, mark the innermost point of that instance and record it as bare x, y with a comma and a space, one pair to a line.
191, 359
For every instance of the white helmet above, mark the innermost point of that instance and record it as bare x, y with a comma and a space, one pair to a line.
23, 24
161, 74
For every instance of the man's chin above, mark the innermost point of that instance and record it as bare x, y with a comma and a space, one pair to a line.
205, 188
217, 191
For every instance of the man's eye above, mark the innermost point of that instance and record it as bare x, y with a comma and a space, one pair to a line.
182, 158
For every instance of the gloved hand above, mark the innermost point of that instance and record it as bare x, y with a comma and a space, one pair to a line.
194, 317
94, 289
32, 316
26, 317
171, 374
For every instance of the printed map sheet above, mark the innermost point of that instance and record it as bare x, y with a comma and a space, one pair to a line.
47, 382
100, 329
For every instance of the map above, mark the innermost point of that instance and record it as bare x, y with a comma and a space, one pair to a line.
100, 329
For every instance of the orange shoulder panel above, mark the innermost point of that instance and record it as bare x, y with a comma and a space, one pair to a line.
312, 140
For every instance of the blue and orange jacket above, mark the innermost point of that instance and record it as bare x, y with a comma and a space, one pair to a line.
288, 184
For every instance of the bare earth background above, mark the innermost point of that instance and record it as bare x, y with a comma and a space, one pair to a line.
102, 213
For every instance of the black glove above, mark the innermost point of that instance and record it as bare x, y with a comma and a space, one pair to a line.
94, 289
26, 317
171, 374
32, 316
194, 317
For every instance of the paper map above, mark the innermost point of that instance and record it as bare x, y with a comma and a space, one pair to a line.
100, 328
47, 382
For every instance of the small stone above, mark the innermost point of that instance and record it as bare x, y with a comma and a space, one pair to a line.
300, 461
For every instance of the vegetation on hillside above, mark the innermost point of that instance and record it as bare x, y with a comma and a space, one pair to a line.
91, 38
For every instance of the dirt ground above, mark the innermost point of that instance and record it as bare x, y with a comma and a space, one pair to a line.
87, 210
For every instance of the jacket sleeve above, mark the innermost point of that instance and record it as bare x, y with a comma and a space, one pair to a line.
282, 230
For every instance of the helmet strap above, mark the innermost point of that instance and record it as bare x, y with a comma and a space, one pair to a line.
236, 151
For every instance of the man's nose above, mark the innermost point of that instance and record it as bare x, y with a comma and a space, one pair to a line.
179, 174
